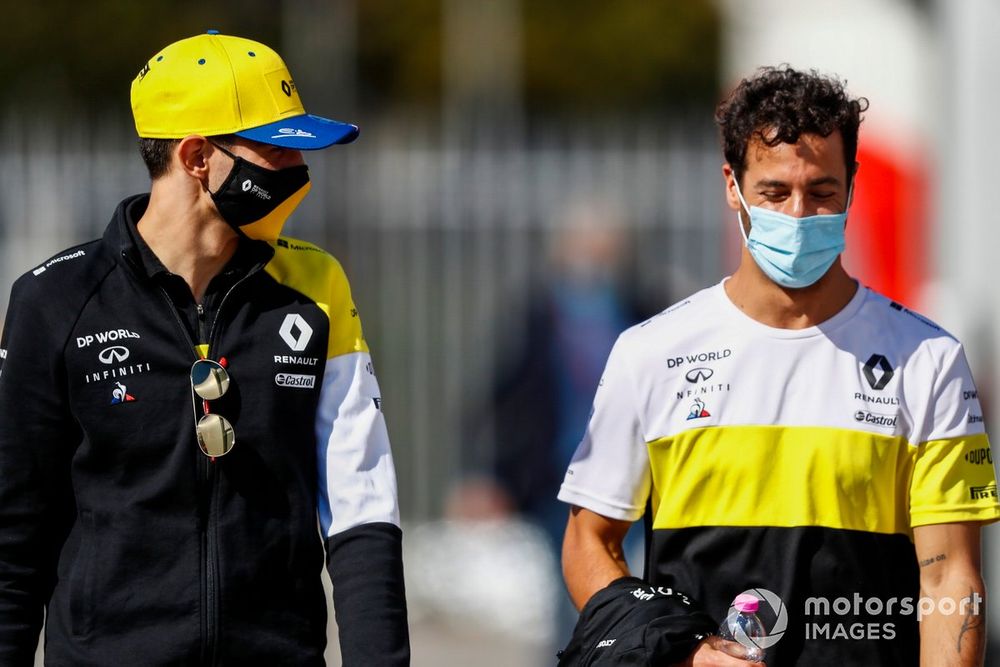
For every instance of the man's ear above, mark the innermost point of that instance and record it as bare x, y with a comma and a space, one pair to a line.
729, 178
854, 181
191, 157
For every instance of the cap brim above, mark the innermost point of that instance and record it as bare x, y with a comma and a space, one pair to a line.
304, 133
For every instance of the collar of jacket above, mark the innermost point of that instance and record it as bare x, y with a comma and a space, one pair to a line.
121, 241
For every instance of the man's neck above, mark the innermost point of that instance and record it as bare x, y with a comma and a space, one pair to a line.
767, 302
187, 236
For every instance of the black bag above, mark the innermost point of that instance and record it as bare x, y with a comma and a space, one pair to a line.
630, 622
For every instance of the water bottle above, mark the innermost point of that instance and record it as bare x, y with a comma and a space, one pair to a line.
742, 630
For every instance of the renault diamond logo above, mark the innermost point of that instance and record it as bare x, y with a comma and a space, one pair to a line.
699, 374
296, 341
113, 354
885, 372
247, 184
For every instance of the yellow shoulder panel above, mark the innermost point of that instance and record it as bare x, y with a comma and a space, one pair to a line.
318, 276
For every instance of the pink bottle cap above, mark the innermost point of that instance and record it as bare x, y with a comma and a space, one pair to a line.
746, 603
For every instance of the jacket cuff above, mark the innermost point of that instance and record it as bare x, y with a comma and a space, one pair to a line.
366, 567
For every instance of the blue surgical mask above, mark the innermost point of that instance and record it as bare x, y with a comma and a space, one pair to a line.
793, 252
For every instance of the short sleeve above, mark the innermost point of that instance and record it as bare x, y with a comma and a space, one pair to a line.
954, 478
609, 473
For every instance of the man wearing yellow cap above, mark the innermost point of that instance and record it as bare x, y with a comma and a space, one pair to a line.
188, 409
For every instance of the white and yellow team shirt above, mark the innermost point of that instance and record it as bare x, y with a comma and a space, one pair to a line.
794, 460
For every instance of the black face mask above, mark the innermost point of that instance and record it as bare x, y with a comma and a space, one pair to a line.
252, 194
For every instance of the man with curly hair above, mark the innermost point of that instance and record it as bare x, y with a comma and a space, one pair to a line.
789, 433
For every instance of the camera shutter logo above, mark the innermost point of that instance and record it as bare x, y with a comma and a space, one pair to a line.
113, 354
293, 322
774, 633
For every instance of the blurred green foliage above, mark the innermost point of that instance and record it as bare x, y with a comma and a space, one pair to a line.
64, 55
399, 52
582, 56
585, 55
597, 55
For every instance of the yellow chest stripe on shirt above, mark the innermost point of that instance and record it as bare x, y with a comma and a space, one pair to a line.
792, 476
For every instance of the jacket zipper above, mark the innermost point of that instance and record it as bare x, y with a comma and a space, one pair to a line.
207, 473
201, 323
204, 503
208, 538
210, 535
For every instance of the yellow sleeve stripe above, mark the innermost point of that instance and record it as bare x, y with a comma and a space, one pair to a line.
789, 476
953, 480
319, 277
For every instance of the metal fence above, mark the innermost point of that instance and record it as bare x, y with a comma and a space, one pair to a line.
443, 240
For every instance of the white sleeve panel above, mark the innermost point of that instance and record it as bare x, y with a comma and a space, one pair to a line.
954, 410
357, 479
609, 473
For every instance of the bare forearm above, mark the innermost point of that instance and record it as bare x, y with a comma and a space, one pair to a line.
951, 588
590, 563
957, 638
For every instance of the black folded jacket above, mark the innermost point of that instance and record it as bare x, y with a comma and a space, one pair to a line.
630, 622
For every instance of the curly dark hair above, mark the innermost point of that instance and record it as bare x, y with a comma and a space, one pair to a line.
778, 104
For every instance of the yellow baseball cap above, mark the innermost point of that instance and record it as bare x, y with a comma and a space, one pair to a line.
215, 84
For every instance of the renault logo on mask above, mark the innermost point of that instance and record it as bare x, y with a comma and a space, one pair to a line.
296, 332
247, 185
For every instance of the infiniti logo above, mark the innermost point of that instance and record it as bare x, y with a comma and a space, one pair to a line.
699, 374
113, 354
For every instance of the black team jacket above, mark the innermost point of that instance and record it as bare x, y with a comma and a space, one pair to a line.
142, 550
